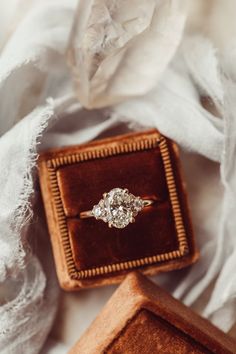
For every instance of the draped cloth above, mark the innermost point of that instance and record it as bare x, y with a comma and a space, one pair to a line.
151, 72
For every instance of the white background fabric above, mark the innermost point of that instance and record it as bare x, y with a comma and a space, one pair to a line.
39, 109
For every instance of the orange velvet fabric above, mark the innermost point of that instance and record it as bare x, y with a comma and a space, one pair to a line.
93, 243
141, 317
81, 185
146, 333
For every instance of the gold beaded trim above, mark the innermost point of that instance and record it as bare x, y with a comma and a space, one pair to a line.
95, 153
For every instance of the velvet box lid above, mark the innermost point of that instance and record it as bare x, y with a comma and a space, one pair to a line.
141, 317
86, 251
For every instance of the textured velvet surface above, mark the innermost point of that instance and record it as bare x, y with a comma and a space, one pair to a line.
141, 317
146, 333
93, 243
90, 243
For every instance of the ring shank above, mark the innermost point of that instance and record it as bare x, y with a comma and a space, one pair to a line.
148, 202
88, 213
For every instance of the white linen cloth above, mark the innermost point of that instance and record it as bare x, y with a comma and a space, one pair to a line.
39, 109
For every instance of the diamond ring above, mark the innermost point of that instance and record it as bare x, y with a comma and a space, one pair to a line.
118, 208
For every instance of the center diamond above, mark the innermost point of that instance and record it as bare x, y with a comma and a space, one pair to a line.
118, 208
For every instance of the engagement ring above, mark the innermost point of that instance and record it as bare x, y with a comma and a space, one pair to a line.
118, 208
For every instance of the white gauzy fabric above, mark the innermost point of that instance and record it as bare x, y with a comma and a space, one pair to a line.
38, 109
222, 303
28, 298
107, 42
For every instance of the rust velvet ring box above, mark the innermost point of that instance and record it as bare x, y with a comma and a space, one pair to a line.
88, 253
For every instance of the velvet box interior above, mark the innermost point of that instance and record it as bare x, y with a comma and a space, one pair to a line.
87, 252
148, 320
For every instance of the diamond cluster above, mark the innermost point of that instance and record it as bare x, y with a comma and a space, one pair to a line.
118, 208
